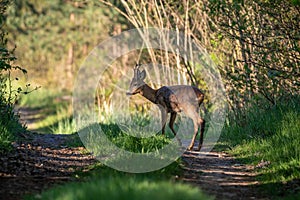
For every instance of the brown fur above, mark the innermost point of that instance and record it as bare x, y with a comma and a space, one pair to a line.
172, 99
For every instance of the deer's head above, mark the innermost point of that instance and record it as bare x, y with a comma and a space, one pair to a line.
137, 81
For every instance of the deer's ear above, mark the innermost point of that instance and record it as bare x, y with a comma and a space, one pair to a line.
142, 75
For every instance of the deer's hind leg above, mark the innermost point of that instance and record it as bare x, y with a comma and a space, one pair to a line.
201, 123
171, 123
198, 122
196, 126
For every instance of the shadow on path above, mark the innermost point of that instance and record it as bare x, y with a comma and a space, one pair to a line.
219, 174
39, 162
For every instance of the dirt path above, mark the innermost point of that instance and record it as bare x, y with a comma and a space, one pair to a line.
42, 160
39, 162
220, 175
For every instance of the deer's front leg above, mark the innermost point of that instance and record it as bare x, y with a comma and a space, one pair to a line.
163, 119
172, 120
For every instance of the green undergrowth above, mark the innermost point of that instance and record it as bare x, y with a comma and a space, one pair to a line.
131, 141
51, 109
269, 139
42, 98
101, 182
10, 127
65, 125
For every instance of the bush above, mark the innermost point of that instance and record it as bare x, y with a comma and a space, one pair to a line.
9, 126
9, 122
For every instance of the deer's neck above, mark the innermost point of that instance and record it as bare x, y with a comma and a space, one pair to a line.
148, 93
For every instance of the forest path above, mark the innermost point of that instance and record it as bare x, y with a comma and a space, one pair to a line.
220, 175
42, 160
38, 162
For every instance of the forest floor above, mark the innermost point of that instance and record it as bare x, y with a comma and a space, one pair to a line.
40, 161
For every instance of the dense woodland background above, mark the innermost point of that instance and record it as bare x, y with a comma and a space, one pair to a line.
255, 45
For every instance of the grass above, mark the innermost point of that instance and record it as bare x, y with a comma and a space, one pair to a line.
272, 136
104, 183
42, 98
134, 144
10, 127
123, 188
53, 108
282, 149
64, 126
119, 149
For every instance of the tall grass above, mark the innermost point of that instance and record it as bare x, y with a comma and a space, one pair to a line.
270, 136
64, 126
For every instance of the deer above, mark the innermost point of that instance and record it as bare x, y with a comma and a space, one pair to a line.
171, 99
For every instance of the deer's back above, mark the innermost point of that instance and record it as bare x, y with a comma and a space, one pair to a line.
188, 93
184, 97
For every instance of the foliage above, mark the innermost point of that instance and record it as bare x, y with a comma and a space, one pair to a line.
269, 136
9, 127
9, 122
126, 141
55, 116
64, 126
262, 55
171, 15
50, 109
255, 43
53, 37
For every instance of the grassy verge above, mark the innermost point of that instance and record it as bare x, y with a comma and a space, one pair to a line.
105, 183
270, 140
